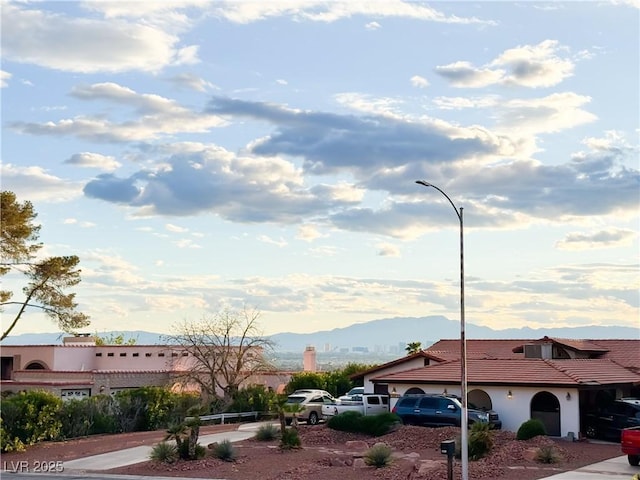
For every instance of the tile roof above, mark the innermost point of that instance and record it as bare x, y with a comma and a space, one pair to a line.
399, 361
519, 372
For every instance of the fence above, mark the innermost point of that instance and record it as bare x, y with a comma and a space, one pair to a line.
223, 416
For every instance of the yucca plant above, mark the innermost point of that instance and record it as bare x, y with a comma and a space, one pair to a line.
267, 432
224, 450
164, 452
547, 454
378, 456
290, 439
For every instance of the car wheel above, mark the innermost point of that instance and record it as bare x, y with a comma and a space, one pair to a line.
313, 418
634, 460
591, 431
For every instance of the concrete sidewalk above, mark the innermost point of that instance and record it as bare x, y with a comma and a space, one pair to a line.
617, 468
129, 456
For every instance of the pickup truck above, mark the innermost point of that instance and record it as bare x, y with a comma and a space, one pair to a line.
630, 444
366, 404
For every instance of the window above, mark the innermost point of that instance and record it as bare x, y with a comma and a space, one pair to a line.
161, 354
99, 354
374, 400
123, 354
110, 354
147, 354
135, 354
174, 354
428, 402
185, 354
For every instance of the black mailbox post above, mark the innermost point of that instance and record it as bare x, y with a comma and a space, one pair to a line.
448, 448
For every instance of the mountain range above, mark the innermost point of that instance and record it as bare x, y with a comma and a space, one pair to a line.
381, 334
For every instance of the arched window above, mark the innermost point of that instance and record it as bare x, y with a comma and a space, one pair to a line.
35, 366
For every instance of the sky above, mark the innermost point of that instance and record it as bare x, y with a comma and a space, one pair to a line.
207, 155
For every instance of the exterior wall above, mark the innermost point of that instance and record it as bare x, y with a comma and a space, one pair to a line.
408, 365
77, 358
23, 355
517, 409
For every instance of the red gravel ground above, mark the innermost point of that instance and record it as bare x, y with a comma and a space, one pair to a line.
326, 455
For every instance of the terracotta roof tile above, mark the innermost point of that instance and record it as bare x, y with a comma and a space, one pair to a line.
519, 372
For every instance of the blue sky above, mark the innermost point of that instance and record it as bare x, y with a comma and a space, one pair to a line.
203, 155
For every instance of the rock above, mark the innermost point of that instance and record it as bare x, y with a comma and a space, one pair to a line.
357, 445
427, 466
359, 463
341, 461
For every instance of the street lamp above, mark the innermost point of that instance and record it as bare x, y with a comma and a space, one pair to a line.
464, 448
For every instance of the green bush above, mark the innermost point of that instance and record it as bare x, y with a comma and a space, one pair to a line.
531, 428
480, 440
547, 454
378, 456
348, 421
290, 439
267, 432
224, 451
102, 414
30, 417
374, 425
76, 418
377, 425
252, 399
198, 453
164, 452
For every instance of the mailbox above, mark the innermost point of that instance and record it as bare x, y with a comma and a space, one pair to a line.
448, 448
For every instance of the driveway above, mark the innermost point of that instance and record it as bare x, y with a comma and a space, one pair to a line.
613, 469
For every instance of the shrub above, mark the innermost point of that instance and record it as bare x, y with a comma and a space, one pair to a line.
30, 417
374, 425
377, 425
378, 456
290, 439
480, 440
348, 421
547, 454
198, 451
164, 452
531, 428
267, 432
225, 451
76, 416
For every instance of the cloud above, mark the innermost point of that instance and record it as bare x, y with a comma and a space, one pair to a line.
308, 233
372, 26
4, 78
78, 45
94, 160
528, 66
176, 229
420, 82
156, 117
278, 243
388, 250
36, 184
321, 11
610, 238
192, 82
204, 178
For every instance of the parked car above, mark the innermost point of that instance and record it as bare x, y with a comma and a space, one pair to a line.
354, 392
440, 410
609, 421
312, 403
630, 444
366, 404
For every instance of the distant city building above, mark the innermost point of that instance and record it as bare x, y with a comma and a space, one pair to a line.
360, 349
309, 359
327, 347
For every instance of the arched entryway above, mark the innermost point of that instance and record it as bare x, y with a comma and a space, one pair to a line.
545, 407
414, 391
479, 399
36, 365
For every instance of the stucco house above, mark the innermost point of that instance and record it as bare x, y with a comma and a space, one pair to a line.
554, 380
79, 368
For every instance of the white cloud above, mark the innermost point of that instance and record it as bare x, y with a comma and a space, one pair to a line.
87, 45
388, 250
4, 78
528, 66
609, 238
308, 233
192, 82
372, 26
156, 116
94, 160
420, 82
36, 184
266, 239
175, 228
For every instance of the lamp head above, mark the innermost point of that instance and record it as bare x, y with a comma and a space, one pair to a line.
422, 182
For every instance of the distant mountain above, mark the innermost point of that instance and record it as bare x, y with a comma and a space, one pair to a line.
383, 334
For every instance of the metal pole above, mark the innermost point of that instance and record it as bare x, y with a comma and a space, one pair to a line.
464, 419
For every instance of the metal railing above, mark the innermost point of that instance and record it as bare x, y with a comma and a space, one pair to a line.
223, 416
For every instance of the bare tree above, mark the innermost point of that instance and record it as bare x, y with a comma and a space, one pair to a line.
225, 350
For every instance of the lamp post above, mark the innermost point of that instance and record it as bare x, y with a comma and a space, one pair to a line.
464, 448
